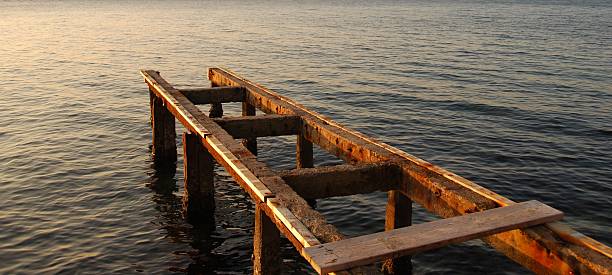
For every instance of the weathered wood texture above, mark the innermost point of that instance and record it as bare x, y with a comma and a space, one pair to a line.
199, 198
164, 133
422, 237
342, 180
214, 95
398, 215
266, 244
545, 249
259, 126
249, 142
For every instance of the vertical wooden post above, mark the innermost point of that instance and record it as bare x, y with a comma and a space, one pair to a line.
266, 244
304, 152
164, 133
399, 214
216, 109
199, 197
249, 143
304, 159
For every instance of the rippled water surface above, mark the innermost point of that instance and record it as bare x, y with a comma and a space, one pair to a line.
515, 95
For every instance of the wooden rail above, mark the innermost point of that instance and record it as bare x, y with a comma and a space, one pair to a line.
280, 196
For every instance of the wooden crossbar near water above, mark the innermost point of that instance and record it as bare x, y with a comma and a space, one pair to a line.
527, 233
409, 240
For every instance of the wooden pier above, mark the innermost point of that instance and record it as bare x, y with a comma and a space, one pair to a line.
528, 232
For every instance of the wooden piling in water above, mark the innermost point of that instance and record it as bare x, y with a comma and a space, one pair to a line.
249, 142
164, 133
266, 245
280, 196
398, 215
199, 197
216, 108
304, 152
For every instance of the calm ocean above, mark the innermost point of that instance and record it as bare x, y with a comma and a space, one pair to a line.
514, 95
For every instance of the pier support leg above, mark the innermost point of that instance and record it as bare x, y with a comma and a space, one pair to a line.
304, 158
304, 152
266, 244
249, 143
164, 133
199, 197
399, 214
216, 109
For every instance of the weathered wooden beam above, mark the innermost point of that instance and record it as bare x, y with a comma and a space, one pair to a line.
259, 126
427, 236
398, 215
199, 198
164, 134
291, 214
543, 249
249, 142
342, 180
214, 95
266, 244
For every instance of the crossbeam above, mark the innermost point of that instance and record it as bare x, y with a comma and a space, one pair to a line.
260, 126
551, 248
410, 240
214, 95
342, 180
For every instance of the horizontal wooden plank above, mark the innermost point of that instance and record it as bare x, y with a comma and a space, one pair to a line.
426, 236
214, 94
260, 126
554, 248
342, 180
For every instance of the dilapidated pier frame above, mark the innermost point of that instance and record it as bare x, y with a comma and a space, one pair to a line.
529, 233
